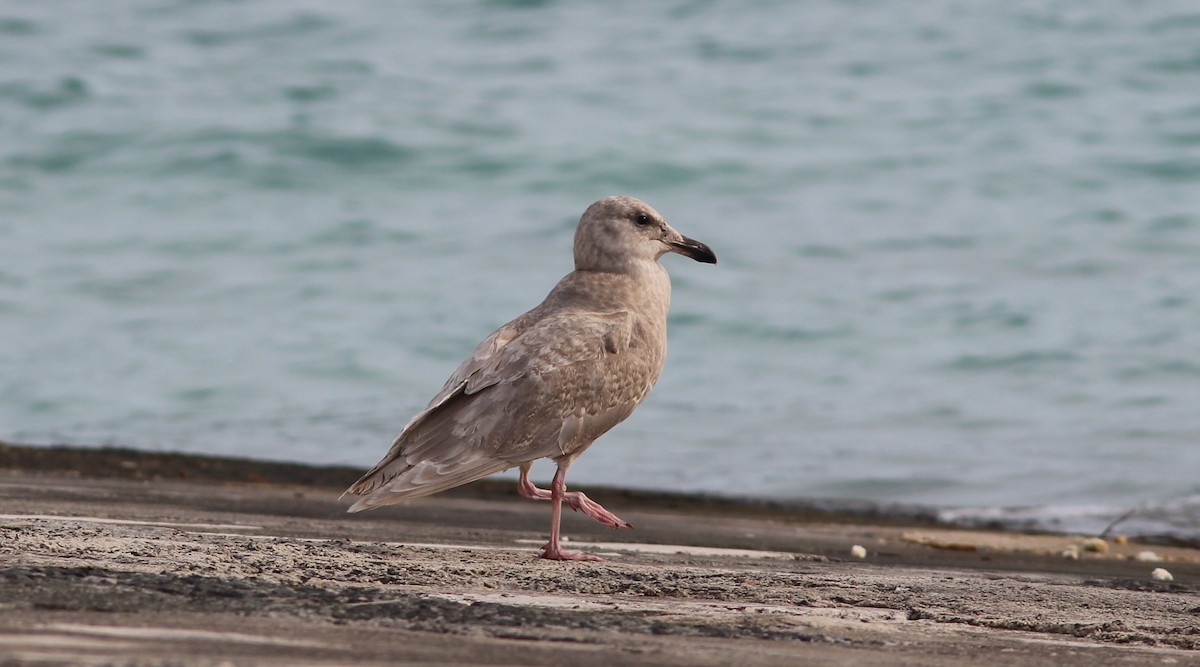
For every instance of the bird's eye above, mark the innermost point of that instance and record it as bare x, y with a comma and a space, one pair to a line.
642, 220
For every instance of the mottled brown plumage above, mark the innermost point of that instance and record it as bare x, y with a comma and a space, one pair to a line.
550, 382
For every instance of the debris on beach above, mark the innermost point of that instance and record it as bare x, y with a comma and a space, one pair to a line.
1159, 574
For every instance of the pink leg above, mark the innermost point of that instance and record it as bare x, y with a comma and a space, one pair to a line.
575, 500
552, 551
526, 488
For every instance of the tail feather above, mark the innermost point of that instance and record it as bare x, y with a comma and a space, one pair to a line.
423, 479
445, 446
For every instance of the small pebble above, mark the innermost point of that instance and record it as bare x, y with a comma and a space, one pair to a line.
1148, 557
1095, 544
1071, 553
1160, 574
858, 551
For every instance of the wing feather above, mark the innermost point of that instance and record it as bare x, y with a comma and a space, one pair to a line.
539, 386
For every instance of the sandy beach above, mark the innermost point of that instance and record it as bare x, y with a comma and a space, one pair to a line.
126, 558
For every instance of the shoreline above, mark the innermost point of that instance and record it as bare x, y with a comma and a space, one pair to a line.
123, 557
128, 463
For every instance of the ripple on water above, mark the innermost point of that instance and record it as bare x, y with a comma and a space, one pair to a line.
1174, 170
70, 151
311, 93
1189, 64
67, 91
1172, 223
213, 246
822, 251
1185, 368
295, 26
18, 27
996, 315
1052, 90
917, 243
141, 287
352, 152
279, 160
1033, 360
361, 232
763, 331
120, 51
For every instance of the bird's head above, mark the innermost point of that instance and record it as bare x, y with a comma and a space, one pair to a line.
618, 232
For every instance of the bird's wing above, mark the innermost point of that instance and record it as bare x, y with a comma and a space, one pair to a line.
482, 355
512, 400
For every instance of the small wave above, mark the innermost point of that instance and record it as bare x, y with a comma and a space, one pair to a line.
1000, 316
120, 51
1161, 368
337, 366
708, 48
143, 287
67, 91
1084, 268
1177, 22
316, 93
11, 280
1186, 65
522, 4
1175, 170
1052, 90
893, 487
821, 251
300, 25
18, 27
276, 159
361, 232
1171, 223
1180, 139
1020, 361
1175, 521
203, 247
70, 151
683, 319
763, 331
932, 241
342, 151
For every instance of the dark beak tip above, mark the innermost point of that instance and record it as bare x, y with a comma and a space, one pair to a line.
696, 250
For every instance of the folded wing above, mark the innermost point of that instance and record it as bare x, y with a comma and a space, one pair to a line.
537, 387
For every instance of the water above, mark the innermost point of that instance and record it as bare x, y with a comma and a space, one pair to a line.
960, 243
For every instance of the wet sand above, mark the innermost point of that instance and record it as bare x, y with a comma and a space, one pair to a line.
113, 557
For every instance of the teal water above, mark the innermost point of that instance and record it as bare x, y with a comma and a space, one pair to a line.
959, 242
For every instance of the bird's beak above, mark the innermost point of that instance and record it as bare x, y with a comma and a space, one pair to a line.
692, 248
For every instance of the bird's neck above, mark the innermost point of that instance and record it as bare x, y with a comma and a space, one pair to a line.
650, 296
656, 289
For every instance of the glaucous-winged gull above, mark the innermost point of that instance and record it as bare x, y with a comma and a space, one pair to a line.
550, 382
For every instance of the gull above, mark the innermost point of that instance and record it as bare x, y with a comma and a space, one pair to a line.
550, 382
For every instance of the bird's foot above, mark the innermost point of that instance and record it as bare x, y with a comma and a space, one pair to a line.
581, 503
553, 552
